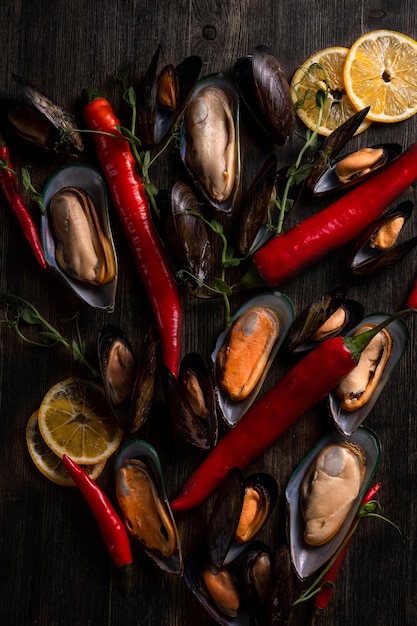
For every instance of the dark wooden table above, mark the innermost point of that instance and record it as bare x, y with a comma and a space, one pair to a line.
54, 569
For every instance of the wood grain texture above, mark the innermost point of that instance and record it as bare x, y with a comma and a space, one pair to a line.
54, 567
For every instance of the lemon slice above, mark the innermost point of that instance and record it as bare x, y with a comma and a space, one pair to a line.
381, 72
47, 462
323, 71
75, 419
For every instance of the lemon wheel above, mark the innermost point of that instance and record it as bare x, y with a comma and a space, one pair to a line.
381, 72
323, 71
47, 462
74, 418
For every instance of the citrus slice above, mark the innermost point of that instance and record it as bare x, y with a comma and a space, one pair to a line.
47, 462
74, 418
381, 72
323, 71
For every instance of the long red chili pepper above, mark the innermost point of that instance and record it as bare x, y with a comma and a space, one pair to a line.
327, 582
110, 524
412, 296
308, 382
132, 206
9, 186
324, 232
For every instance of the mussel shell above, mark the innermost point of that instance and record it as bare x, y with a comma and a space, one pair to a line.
144, 387
232, 411
200, 432
223, 548
264, 88
308, 559
91, 182
253, 213
226, 85
366, 259
63, 138
283, 593
328, 182
192, 243
192, 577
317, 313
348, 421
138, 449
155, 121
258, 572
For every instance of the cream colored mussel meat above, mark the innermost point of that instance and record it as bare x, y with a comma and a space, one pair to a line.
329, 490
82, 248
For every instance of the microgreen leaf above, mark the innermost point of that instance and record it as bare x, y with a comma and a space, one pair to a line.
33, 194
222, 287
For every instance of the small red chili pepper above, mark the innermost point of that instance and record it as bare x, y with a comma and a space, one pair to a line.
111, 526
308, 382
8, 184
132, 206
329, 578
287, 255
412, 296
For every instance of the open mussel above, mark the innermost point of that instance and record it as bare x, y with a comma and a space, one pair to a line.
242, 507
244, 352
210, 148
191, 402
355, 396
76, 235
383, 244
144, 505
264, 88
324, 493
129, 384
333, 314
163, 94
355, 167
43, 122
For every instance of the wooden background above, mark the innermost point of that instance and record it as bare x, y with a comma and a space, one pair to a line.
54, 569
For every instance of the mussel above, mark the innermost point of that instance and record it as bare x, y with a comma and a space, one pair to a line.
191, 401
242, 507
384, 243
330, 482
244, 353
129, 384
76, 234
355, 167
43, 122
264, 88
333, 314
144, 505
162, 95
353, 399
210, 148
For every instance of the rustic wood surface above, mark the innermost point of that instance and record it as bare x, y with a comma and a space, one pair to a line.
55, 570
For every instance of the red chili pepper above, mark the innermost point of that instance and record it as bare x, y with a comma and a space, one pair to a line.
8, 183
329, 578
412, 296
287, 255
132, 206
110, 524
308, 382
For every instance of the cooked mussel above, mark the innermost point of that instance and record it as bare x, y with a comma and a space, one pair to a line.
383, 244
353, 399
258, 573
76, 234
353, 168
129, 384
144, 505
163, 94
341, 468
264, 88
241, 509
44, 122
191, 401
210, 140
244, 353
333, 314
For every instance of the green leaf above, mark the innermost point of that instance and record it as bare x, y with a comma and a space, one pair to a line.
222, 287
130, 96
217, 227
301, 173
29, 316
